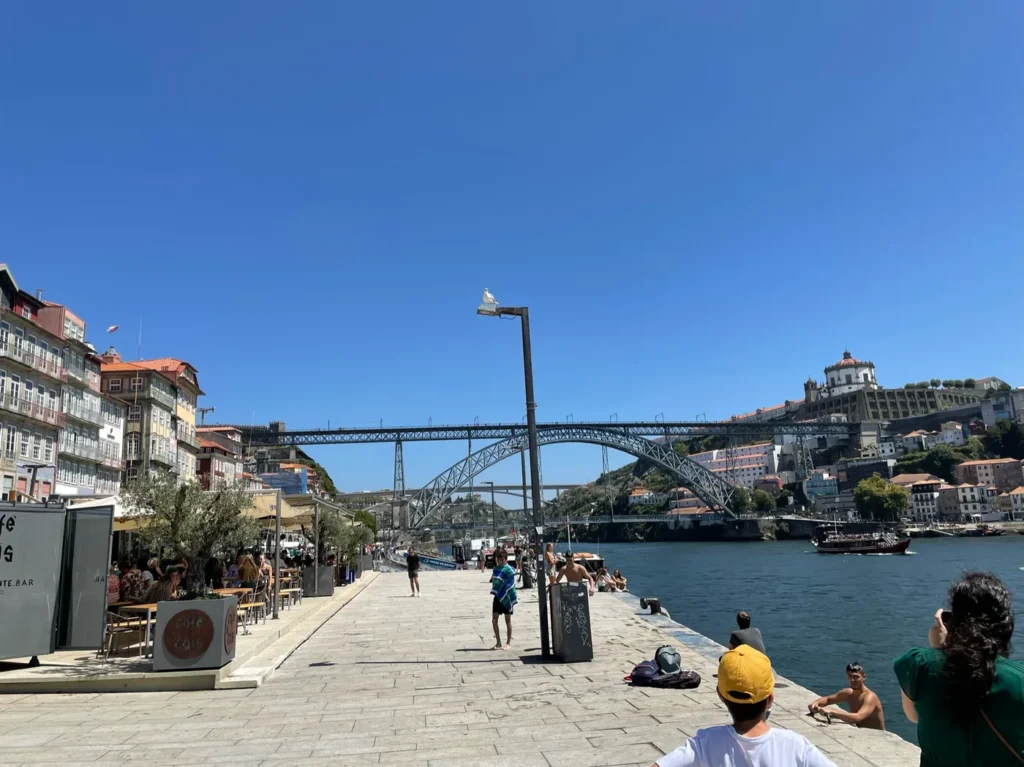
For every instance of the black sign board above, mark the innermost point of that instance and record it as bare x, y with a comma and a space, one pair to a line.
570, 622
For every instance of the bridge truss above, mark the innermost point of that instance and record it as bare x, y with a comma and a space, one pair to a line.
712, 489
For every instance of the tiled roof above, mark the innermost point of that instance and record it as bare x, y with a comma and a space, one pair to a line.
848, 361
909, 479
989, 462
1017, 491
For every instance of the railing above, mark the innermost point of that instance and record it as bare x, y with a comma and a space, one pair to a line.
95, 417
25, 407
41, 362
111, 461
186, 435
151, 392
89, 452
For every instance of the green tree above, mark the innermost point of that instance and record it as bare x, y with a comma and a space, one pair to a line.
921, 385
741, 502
763, 502
1006, 440
908, 386
948, 383
1005, 387
366, 519
958, 383
974, 449
969, 383
880, 500
189, 522
352, 540
680, 447
935, 383
783, 499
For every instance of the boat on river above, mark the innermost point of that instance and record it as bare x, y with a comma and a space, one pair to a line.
883, 542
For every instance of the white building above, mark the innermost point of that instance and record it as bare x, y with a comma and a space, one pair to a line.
642, 497
924, 501
953, 433
848, 375
977, 499
742, 465
684, 499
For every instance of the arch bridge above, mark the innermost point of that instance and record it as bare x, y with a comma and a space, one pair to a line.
713, 490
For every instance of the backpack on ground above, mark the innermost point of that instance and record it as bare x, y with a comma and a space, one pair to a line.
643, 673
679, 680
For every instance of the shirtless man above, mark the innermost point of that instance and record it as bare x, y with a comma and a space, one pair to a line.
865, 707
573, 572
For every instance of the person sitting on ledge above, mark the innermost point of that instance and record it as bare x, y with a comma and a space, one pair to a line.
865, 707
746, 634
746, 685
620, 582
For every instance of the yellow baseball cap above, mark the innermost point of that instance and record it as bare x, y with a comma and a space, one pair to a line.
745, 675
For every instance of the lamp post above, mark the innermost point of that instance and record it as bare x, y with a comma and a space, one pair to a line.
490, 308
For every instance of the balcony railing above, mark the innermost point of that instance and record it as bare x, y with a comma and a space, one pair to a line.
111, 461
24, 407
88, 415
128, 394
40, 362
188, 436
89, 452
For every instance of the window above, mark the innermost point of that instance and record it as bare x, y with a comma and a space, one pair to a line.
134, 412
131, 447
10, 443
19, 341
26, 312
23, 447
37, 446
136, 384
114, 384
132, 473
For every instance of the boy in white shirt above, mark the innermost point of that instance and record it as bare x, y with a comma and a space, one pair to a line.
746, 685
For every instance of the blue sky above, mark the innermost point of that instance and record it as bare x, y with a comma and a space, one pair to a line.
702, 204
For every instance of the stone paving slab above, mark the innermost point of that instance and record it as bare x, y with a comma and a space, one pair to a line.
395, 680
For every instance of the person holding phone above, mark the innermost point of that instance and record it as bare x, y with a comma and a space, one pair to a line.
963, 692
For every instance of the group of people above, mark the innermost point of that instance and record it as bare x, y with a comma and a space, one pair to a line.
963, 692
145, 580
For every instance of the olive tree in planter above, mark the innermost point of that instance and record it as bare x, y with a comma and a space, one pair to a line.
198, 630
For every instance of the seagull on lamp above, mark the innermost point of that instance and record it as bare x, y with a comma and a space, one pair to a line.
488, 305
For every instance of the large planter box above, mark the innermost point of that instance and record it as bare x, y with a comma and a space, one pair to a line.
325, 587
195, 634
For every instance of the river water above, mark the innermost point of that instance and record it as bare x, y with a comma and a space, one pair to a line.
817, 613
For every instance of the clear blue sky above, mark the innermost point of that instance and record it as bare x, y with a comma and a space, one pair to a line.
702, 204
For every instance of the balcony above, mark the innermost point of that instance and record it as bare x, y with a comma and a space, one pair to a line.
29, 409
187, 436
84, 414
148, 391
39, 362
88, 452
111, 461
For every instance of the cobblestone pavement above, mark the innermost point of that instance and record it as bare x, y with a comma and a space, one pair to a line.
392, 680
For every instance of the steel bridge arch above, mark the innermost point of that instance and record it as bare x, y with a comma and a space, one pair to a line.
712, 489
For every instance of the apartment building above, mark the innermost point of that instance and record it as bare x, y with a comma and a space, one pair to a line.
742, 465
89, 450
32, 378
924, 501
160, 398
1003, 473
219, 462
1012, 504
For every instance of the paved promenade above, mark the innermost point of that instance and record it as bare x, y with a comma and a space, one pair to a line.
392, 680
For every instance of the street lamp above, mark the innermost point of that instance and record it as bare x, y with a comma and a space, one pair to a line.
489, 308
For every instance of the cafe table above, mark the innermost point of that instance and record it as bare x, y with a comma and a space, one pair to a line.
150, 611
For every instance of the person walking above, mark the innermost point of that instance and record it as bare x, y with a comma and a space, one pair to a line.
550, 563
746, 685
503, 589
412, 562
963, 692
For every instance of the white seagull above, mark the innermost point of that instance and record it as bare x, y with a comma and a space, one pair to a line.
488, 298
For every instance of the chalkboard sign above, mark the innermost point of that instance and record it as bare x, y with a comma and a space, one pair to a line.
31, 545
570, 622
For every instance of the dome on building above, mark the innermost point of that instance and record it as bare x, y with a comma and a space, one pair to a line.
848, 361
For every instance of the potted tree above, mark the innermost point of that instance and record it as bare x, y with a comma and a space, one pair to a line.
197, 630
333, 534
